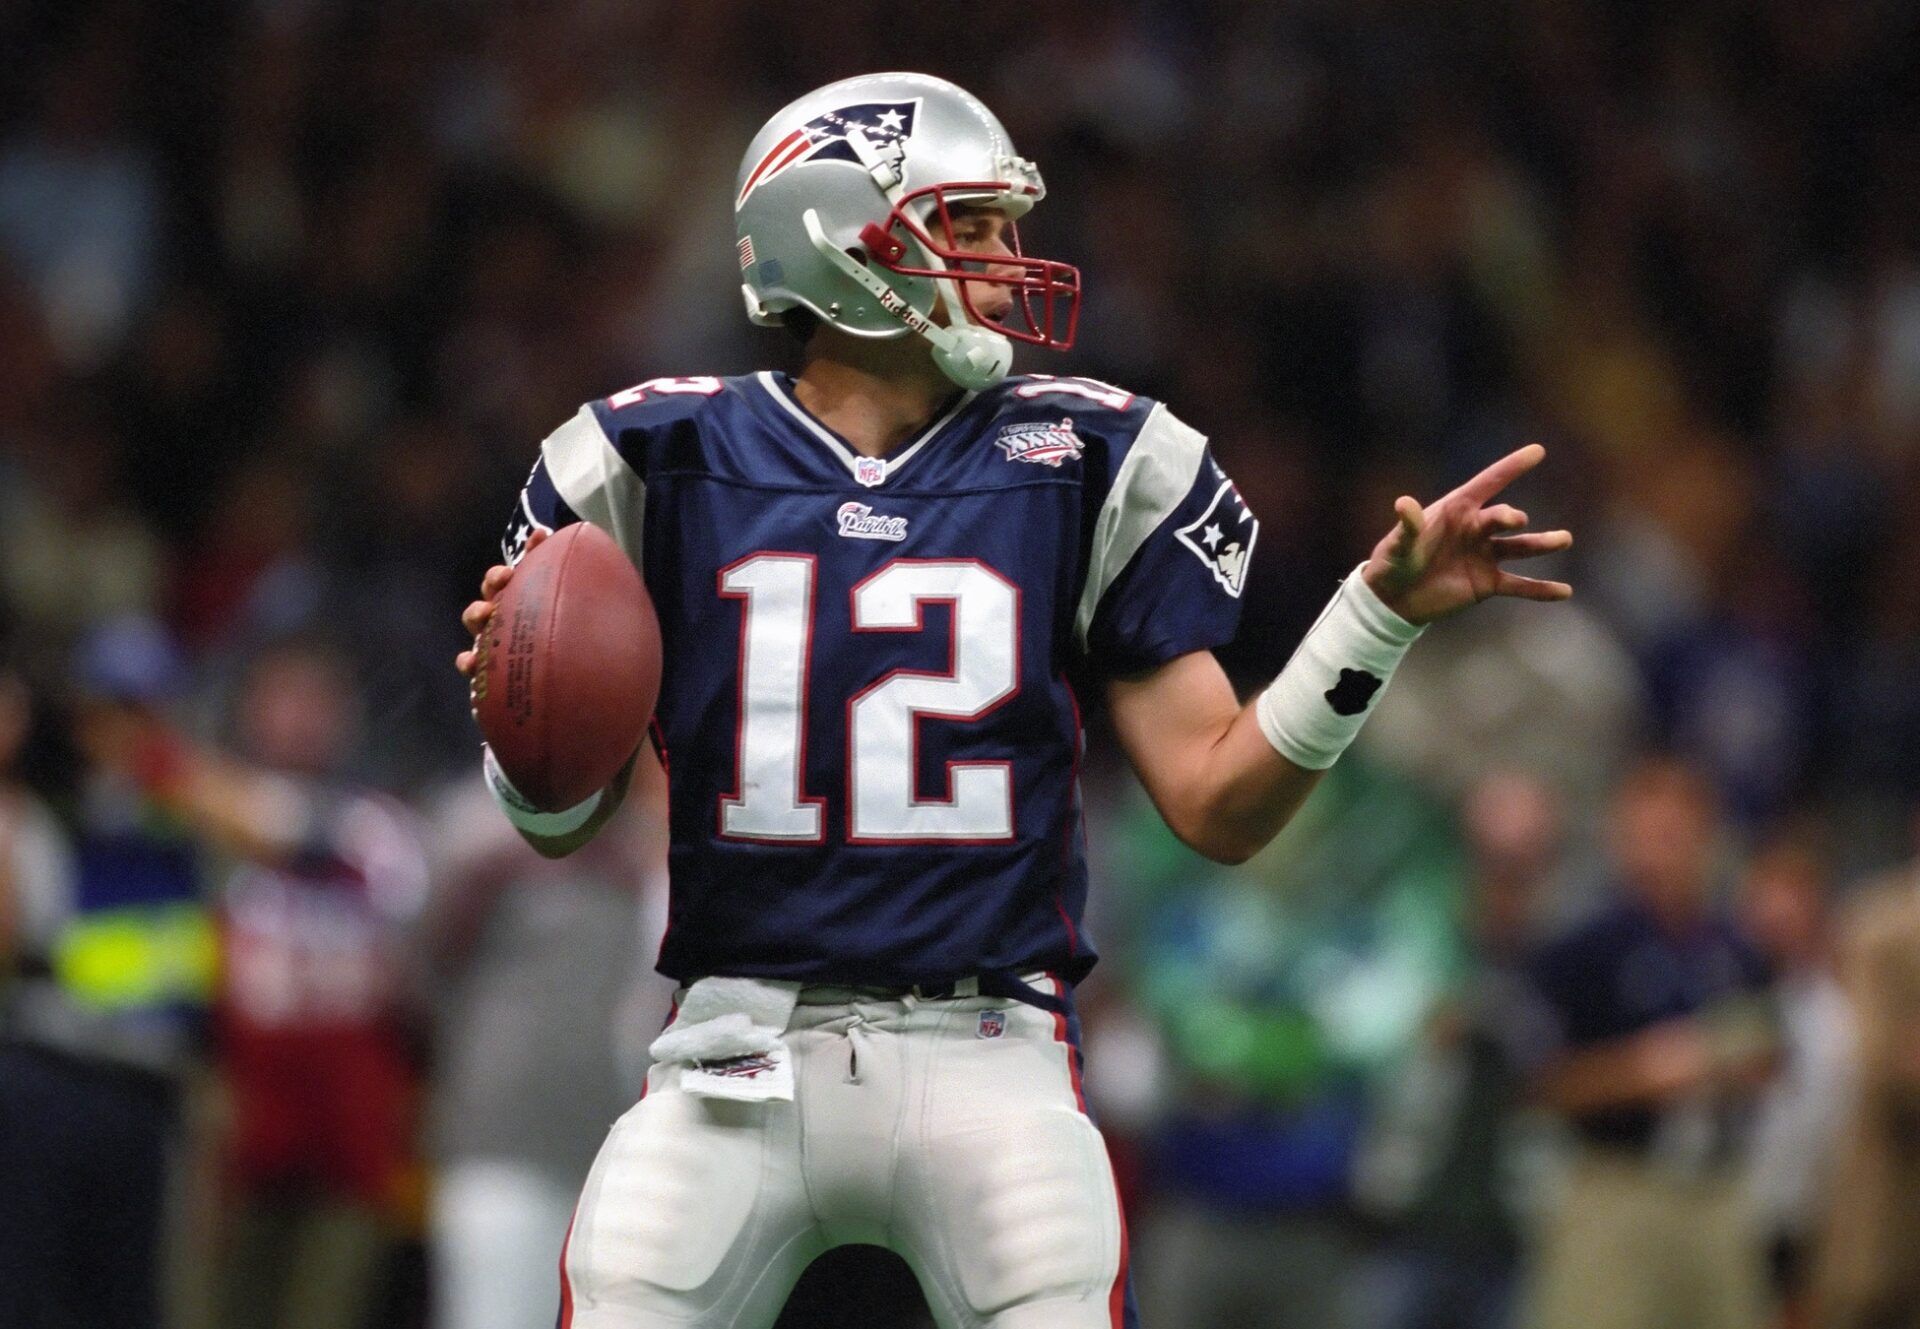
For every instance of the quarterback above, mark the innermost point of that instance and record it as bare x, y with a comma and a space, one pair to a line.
882, 585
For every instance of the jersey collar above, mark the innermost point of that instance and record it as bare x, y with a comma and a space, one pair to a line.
869, 471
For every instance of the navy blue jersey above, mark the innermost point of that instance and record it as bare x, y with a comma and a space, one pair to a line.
867, 708
1622, 973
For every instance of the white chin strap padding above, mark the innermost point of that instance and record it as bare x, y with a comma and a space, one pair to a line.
974, 357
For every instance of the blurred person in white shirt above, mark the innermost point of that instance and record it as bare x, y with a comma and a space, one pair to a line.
1803, 1112
537, 976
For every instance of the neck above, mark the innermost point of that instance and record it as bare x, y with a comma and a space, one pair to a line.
875, 394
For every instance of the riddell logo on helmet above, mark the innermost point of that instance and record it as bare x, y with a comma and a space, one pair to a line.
894, 303
884, 127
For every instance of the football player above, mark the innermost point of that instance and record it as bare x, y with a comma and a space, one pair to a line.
881, 586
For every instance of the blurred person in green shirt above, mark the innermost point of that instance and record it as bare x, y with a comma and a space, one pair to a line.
1280, 993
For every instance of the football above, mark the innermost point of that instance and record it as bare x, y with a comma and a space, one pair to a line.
568, 667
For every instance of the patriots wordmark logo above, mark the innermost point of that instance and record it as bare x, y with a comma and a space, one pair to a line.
860, 522
992, 1024
1046, 444
1353, 692
1222, 537
880, 128
738, 1068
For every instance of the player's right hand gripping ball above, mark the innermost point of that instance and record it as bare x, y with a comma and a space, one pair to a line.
568, 668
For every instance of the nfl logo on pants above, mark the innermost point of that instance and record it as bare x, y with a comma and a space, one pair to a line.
992, 1024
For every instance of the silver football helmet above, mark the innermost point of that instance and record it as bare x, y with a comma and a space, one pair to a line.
843, 208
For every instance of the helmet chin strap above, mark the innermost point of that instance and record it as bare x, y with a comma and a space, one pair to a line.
972, 356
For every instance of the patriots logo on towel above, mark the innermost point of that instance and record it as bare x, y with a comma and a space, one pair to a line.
738, 1068
886, 126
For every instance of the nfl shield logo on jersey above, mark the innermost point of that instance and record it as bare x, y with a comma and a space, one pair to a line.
870, 471
993, 1024
1222, 537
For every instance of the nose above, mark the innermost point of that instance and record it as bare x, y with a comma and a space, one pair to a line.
996, 249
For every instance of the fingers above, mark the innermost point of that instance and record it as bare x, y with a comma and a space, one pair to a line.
1502, 473
1503, 517
1412, 518
495, 581
1531, 588
475, 616
1531, 545
466, 662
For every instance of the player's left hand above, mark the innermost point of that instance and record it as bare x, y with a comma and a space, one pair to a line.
1446, 556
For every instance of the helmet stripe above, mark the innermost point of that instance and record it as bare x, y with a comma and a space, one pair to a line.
798, 135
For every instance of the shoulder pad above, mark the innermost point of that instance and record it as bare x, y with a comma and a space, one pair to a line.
658, 401
1089, 403
1102, 419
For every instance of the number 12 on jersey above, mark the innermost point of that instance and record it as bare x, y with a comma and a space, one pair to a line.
883, 718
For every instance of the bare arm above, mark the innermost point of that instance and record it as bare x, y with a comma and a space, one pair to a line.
248, 812
1648, 1069
1203, 757
1209, 770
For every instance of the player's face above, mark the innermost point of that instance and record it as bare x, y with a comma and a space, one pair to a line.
983, 231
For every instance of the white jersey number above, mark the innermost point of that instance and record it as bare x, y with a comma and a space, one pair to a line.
883, 718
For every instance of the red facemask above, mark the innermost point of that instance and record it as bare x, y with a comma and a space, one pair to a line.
1046, 294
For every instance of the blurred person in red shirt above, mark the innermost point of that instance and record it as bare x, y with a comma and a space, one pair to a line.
322, 1082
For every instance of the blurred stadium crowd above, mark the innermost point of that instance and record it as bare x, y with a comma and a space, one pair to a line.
1585, 991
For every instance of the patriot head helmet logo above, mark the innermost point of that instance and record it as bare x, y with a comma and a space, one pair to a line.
885, 127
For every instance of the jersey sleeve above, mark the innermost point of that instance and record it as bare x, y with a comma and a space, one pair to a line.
1170, 552
580, 476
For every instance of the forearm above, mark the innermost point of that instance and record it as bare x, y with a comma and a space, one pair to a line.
253, 815
1597, 1079
1228, 777
1238, 794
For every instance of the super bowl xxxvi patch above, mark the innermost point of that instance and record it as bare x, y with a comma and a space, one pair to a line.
1048, 443
1222, 537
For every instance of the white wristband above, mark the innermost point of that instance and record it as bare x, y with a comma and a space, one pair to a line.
1313, 710
524, 814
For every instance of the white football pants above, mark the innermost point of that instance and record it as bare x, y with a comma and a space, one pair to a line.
951, 1131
